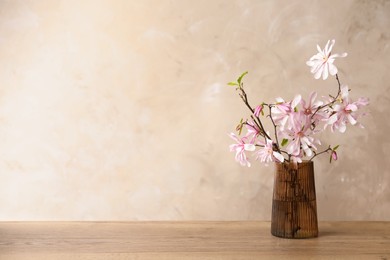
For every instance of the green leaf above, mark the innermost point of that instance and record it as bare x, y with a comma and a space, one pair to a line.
335, 148
232, 84
242, 75
284, 142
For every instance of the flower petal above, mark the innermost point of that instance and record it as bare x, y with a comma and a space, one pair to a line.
308, 152
351, 107
332, 69
278, 156
351, 119
332, 119
326, 49
317, 103
319, 48
296, 101
234, 137
342, 128
315, 67
313, 96
336, 55
325, 72
318, 73
249, 147
329, 50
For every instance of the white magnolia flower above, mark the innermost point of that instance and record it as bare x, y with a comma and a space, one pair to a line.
322, 62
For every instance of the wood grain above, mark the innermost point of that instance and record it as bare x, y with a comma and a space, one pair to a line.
188, 240
294, 206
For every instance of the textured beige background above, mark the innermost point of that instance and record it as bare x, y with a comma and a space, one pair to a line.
119, 110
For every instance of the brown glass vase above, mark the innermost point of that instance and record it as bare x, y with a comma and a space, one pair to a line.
294, 208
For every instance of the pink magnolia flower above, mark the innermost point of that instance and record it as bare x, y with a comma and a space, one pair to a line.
240, 147
253, 131
345, 112
266, 154
310, 109
322, 62
282, 112
300, 137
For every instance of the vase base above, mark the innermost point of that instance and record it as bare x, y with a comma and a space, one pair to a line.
297, 235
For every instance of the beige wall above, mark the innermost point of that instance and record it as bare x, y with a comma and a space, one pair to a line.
119, 110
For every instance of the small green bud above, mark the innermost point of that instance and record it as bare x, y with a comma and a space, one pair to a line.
284, 141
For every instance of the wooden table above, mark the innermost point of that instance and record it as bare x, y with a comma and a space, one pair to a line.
188, 240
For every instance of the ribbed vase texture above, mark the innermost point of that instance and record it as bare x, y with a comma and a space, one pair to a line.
294, 208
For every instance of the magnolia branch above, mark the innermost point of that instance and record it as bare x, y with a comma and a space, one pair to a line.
275, 131
333, 101
324, 151
298, 125
255, 119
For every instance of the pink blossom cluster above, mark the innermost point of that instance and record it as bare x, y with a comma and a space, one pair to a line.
297, 122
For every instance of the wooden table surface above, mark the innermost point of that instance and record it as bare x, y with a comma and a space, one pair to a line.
188, 240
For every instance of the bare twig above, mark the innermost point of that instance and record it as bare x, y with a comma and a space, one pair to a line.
324, 151
256, 119
331, 102
275, 131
